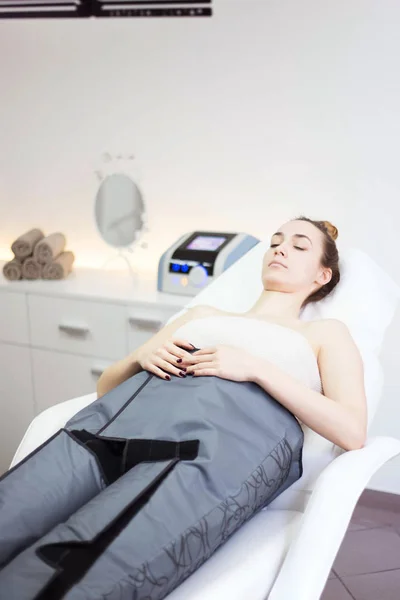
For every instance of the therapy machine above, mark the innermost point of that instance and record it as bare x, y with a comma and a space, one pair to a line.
198, 258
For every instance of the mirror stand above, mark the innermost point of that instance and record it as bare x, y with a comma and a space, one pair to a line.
120, 255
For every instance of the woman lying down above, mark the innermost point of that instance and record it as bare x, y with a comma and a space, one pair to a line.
191, 435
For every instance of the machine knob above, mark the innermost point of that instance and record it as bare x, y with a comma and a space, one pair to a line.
198, 276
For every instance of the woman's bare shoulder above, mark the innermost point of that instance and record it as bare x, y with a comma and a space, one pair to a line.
320, 327
320, 330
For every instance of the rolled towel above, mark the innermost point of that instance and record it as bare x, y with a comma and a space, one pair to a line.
49, 248
12, 270
31, 269
60, 267
25, 244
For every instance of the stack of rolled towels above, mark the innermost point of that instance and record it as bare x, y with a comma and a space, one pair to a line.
39, 257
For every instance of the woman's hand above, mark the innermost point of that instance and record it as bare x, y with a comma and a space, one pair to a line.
227, 362
168, 357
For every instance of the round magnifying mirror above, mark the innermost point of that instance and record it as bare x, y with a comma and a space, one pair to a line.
119, 210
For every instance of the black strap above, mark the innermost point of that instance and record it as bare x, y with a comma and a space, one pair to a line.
117, 456
137, 451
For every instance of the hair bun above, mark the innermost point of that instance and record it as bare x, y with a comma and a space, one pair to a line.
332, 230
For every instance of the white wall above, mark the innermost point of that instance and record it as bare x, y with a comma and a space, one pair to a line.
239, 122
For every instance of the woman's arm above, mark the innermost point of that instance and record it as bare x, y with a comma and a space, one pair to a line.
340, 414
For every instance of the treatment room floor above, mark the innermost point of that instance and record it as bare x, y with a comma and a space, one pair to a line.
367, 566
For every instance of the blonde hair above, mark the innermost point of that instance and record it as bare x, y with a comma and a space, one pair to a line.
332, 230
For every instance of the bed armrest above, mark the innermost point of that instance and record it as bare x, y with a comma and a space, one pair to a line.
325, 521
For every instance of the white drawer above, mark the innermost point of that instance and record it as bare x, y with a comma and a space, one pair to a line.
58, 376
13, 318
144, 321
78, 326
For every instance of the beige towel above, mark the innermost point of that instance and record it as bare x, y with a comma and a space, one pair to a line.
31, 269
49, 248
60, 267
12, 270
25, 244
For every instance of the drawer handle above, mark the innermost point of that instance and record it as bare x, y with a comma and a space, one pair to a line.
145, 323
74, 329
97, 372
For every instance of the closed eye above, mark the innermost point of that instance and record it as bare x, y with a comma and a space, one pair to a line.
298, 248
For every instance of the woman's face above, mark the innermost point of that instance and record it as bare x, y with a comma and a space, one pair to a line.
298, 247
